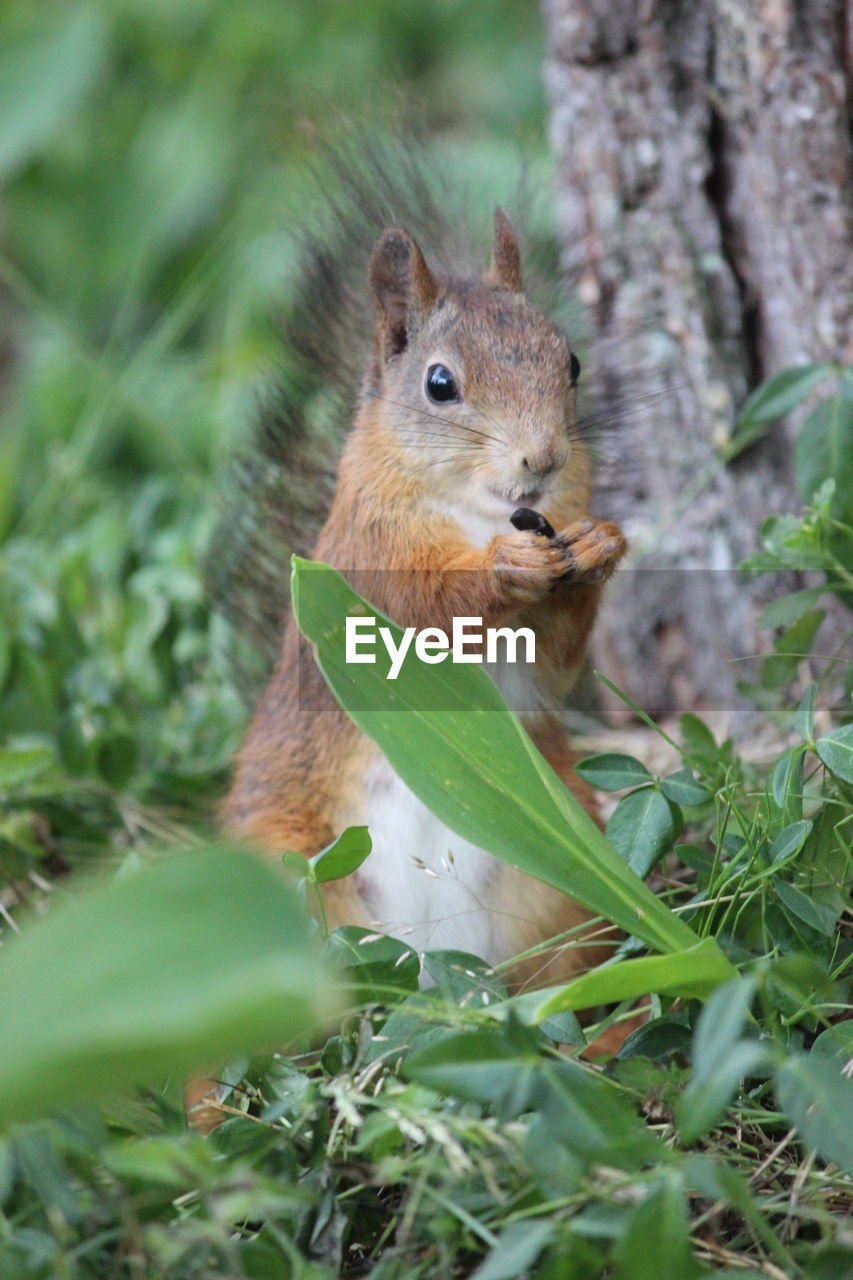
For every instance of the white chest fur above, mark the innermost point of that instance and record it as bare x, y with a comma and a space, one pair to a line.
423, 883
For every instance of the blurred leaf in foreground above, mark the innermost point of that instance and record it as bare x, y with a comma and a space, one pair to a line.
197, 958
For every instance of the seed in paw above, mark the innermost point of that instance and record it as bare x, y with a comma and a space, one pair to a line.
527, 520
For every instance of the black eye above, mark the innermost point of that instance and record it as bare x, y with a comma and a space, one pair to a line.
575, 368
440, 384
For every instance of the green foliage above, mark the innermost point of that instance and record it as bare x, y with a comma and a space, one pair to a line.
462, 751
151, 976
151, 155
821, 539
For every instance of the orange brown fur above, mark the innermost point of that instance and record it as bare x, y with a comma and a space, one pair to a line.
397, 527
420, 524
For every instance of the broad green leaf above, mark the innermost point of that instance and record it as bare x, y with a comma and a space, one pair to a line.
117, 759
597, 1124
517, 1249
375, 964
786, 786
563, 1028
44, 74
610, 771
20, 767
343, 856
789, 650
702, 862
658, 1039
464, 979
194, 959
449, 735
493, 1065
817, 1096
699, 741
835, 1044
693, 974
789, 841
682, 788
505, 1069
642, 827
721, 1057
778, 395
803, 721
414, 1023
790, 608
823, 450
162, 1161
656, 1245
813, 913
836, 751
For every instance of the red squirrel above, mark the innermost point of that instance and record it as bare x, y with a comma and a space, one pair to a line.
466, 414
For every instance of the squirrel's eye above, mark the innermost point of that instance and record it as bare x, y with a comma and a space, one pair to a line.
574, 368
440, 384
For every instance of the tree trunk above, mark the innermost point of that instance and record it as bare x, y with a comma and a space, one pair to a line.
704, 179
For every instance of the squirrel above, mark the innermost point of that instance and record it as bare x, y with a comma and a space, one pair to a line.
465, 420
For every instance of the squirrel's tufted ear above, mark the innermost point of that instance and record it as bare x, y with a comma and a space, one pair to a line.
505, 267
402, 286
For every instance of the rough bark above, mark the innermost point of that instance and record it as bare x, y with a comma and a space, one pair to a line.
704, 185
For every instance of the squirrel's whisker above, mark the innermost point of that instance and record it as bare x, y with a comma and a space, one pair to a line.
435, 417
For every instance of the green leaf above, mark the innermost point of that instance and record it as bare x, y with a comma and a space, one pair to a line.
693, 974
702, 862
505, 1069
682, 788
790, 608
803, 720
194, 959
610, 771
789, 650
699, 742
720, 1057
464, 979
818, 1098
656, 1245
342, 856
815, 914
835, 1044
786, 787
836, 751
17, 768
658, 1039
823, 450
117, 759
44, 75
642, 827
517, 1249
451, 738
496, 1066
789, 842
376, 965
776, 396
595, 1123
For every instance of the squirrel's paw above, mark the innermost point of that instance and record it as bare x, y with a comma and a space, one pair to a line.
530, 565
592, 549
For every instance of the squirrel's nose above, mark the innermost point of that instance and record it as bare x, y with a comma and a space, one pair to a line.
542, 462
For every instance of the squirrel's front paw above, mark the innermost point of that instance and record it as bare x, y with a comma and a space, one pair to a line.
530, 564
593, 548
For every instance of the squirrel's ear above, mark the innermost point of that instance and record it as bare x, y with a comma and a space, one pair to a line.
402, 285
505, 267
